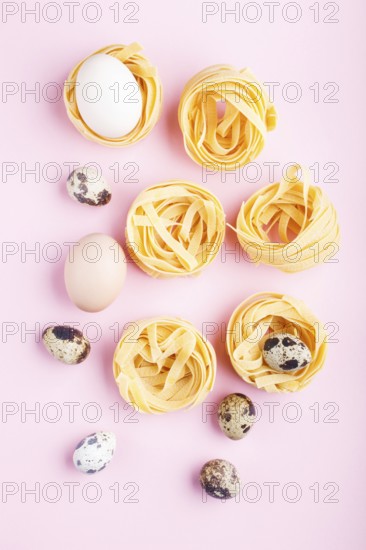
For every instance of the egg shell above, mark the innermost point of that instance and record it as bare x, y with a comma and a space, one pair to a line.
95, 271
87, 186
67, 344
284, 352
220, 479
94, 452
108, 96
236, 415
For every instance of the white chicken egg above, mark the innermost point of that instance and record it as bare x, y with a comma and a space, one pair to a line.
108, 96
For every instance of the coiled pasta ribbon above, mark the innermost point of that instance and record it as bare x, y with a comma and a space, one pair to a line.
305, 219
175, 228
236, 138
250, 325
163, 364
150, 87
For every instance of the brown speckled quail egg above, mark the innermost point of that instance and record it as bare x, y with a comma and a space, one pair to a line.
67, 344
220, 479
94, 452
284, 352
236, 415
87, 186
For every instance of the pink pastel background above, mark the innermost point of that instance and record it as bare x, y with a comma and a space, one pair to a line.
161, 455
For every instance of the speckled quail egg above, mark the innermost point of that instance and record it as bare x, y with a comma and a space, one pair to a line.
94, 452
284, 352
87, 186
67, 344
236, 415
220, 479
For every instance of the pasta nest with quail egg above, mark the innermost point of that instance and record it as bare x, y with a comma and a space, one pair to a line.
266, 314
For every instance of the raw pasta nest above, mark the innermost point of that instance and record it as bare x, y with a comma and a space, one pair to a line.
236, 138
305, 220
250, 325
175, 228
151, 92
163, 364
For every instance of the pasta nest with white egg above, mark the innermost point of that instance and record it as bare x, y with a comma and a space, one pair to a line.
305, 221
235, 138
257, 318
175, 228
163, 364
151, 91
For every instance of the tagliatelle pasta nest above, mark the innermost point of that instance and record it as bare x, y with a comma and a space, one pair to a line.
163, 364
250, 325
175, 228
149, 84
238, 136
305, 220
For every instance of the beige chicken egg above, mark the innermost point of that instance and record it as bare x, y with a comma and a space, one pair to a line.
95, 271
